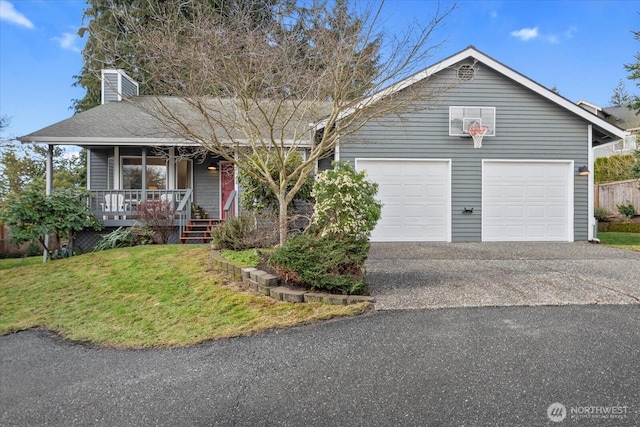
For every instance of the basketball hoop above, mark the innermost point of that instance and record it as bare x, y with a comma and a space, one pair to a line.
476, 131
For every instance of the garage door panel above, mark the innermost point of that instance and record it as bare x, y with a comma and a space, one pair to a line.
415, 197
511, 212
526, 201
535, 191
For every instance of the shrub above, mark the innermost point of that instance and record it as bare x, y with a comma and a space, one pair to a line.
345, 203
601, 214
242, 232
322, 263
158, 215
627, 227
614, 168
627, 210
125, 237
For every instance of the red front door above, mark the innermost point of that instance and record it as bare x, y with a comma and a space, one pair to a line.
227, 190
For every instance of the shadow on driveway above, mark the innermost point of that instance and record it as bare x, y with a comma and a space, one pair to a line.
436, 275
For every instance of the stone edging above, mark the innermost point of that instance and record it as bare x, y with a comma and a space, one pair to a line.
269, 285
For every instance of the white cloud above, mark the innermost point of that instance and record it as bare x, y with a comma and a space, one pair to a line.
8, 13
68, 41
526, 33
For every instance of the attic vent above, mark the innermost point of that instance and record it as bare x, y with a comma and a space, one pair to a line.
466, 72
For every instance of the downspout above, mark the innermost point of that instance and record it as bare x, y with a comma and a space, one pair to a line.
47, 191
590, 186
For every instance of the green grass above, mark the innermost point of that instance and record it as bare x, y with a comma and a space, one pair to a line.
247, 257
621, 240
7, 263
145, 296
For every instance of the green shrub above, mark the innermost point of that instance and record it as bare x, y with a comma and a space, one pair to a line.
346, 206
322, 263
601, 214
621, 227
241, 232
125, 237
614, 168
627, 210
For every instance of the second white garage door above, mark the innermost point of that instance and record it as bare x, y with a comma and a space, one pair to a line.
416, 198
527, 201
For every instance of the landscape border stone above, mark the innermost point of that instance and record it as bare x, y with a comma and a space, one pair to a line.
269, 285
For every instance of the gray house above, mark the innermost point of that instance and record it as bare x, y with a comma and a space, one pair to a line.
527, 180
136, 155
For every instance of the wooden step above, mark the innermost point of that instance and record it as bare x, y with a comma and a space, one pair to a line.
198, 230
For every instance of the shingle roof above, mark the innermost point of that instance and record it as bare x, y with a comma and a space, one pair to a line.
137, 122
623, 117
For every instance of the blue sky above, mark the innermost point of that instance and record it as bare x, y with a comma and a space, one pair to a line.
580, 47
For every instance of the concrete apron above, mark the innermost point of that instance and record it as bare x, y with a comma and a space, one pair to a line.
437, 275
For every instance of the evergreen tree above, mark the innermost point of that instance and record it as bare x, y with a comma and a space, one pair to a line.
634, 74
620, 96
112, 42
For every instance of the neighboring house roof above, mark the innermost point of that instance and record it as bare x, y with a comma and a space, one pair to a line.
603, 130
623, 117
137, 121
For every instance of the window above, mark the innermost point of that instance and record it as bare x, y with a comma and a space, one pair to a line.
156, 173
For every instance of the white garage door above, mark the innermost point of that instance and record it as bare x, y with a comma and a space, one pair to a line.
416, 198
527, 201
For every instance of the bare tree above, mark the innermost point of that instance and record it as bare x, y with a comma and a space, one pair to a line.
254, 89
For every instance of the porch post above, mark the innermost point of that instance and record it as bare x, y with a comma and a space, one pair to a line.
47, 191
144, 173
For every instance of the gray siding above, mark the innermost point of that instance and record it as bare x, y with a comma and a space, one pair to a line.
98, 166
110, 87
206, 188
527, 127
128, 88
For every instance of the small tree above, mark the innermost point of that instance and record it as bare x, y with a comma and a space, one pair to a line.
159, 216
256, 197
32, 215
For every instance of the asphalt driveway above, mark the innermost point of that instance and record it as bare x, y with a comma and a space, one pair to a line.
437, 275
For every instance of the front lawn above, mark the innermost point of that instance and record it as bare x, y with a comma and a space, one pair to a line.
19, 262
621, 240
160, 296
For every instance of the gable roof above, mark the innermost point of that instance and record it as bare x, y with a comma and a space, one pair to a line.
472, 53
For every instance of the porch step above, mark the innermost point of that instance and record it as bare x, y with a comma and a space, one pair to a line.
199, 230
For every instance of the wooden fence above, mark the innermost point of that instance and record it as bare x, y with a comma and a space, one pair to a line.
611, 194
